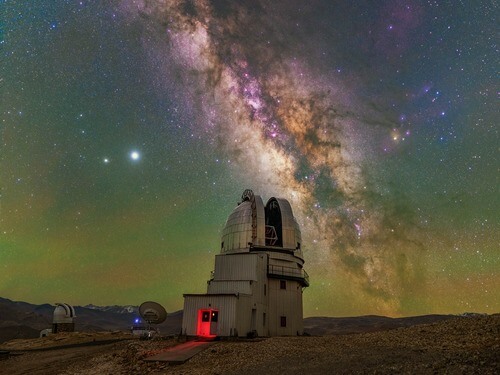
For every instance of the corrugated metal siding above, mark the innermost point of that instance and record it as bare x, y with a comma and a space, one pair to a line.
285, 303
282, 262
280, 258
225, 304
236, 267
244, 315
235, 314
284, 266
243, 287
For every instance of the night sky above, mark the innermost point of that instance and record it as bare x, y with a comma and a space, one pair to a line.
130, 129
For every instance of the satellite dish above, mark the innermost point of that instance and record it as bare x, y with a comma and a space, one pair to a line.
153, 312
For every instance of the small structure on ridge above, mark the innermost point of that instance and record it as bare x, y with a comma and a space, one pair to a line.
64, 318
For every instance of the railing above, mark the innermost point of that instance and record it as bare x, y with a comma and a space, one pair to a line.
306, 277
289, 272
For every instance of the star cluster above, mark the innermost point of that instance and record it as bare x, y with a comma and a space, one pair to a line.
130, 128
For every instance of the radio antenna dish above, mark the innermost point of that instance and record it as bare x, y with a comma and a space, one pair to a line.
152, 312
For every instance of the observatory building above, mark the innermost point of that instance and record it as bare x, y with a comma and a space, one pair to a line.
256, 287
64, 318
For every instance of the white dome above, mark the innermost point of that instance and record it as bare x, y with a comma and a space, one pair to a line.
254, 226
64, 313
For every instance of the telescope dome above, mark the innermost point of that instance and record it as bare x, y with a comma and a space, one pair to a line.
64, 313
252, 225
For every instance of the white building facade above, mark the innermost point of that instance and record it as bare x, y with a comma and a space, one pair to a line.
256, 287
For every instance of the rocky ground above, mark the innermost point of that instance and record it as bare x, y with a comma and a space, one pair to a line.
463, 345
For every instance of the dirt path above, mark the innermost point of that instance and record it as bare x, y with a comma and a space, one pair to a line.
455, 346
55, 361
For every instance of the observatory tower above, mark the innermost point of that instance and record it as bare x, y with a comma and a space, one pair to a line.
256, 287
64, 318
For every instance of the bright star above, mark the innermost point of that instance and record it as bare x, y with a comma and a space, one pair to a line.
105, 160
134, 155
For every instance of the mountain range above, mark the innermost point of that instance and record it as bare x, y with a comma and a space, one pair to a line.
25, 320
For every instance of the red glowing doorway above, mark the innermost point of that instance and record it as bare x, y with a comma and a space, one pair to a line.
207, 322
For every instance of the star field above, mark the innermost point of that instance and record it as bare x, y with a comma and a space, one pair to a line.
130, 128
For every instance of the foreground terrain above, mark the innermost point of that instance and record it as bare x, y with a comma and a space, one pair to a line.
462, 345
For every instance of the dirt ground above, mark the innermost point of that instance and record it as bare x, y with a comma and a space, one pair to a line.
468, 345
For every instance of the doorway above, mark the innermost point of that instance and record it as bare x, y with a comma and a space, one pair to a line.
207, 322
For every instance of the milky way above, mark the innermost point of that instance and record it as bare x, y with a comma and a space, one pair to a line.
298, 134
353, 112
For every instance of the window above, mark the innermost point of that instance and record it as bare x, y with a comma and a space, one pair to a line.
215, 316
274, 224
263, 319
282, 284
205, 317
283, 321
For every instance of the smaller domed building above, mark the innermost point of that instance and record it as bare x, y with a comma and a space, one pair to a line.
256, 287
64, 318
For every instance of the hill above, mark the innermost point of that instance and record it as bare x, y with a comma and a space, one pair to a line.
25, 320
319, 326
460, 345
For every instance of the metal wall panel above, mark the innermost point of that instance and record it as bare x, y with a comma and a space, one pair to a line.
286, 257
215, 286
261, 222
289, 224
236, 266
238, 232
235, 314
225, 304
286, 303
